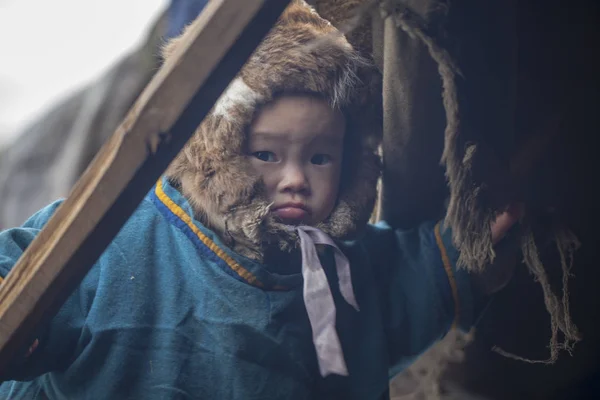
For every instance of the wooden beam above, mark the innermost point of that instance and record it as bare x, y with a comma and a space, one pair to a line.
156, 128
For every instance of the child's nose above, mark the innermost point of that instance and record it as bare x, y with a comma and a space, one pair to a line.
295, 180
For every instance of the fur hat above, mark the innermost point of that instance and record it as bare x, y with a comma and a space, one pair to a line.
303, 53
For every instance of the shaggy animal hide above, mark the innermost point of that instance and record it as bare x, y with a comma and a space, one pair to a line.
412, 41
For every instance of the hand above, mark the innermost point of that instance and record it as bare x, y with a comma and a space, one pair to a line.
499, 273
505, 221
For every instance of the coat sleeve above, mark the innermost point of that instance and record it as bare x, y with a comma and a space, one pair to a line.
50, 346
424, 294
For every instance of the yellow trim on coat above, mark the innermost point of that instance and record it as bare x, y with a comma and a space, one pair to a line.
178, 211
448, 269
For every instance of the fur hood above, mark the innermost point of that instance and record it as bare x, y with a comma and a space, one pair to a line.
302, 53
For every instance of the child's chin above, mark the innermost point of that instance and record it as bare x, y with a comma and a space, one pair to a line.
291, 221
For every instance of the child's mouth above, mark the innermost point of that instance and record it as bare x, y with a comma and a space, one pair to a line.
291, 214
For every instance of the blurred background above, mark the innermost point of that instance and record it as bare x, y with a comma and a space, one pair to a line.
70, 71
56, 47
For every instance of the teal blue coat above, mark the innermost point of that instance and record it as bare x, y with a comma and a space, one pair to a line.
169, 312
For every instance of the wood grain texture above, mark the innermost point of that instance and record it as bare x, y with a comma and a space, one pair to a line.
156, 128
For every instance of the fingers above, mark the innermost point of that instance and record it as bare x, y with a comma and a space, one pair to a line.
505, 221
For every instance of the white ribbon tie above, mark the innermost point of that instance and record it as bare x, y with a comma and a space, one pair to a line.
319, 300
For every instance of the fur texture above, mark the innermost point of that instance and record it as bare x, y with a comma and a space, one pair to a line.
352, 17
302, 53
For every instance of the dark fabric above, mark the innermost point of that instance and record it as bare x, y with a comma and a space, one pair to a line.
181, 13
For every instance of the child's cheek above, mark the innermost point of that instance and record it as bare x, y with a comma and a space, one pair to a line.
330, 193
256, 166
267, 175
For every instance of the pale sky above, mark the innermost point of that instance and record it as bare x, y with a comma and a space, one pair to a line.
51, 47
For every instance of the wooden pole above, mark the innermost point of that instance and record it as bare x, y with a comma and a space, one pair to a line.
156, 128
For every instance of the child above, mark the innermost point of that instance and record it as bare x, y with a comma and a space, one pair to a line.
249, 271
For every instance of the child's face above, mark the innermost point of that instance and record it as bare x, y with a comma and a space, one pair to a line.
296, 145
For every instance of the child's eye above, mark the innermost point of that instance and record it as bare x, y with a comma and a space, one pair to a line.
320, 159
266, 156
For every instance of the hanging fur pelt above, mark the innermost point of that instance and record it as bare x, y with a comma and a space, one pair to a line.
484, 169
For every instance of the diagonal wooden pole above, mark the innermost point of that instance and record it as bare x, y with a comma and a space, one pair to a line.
156, 128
